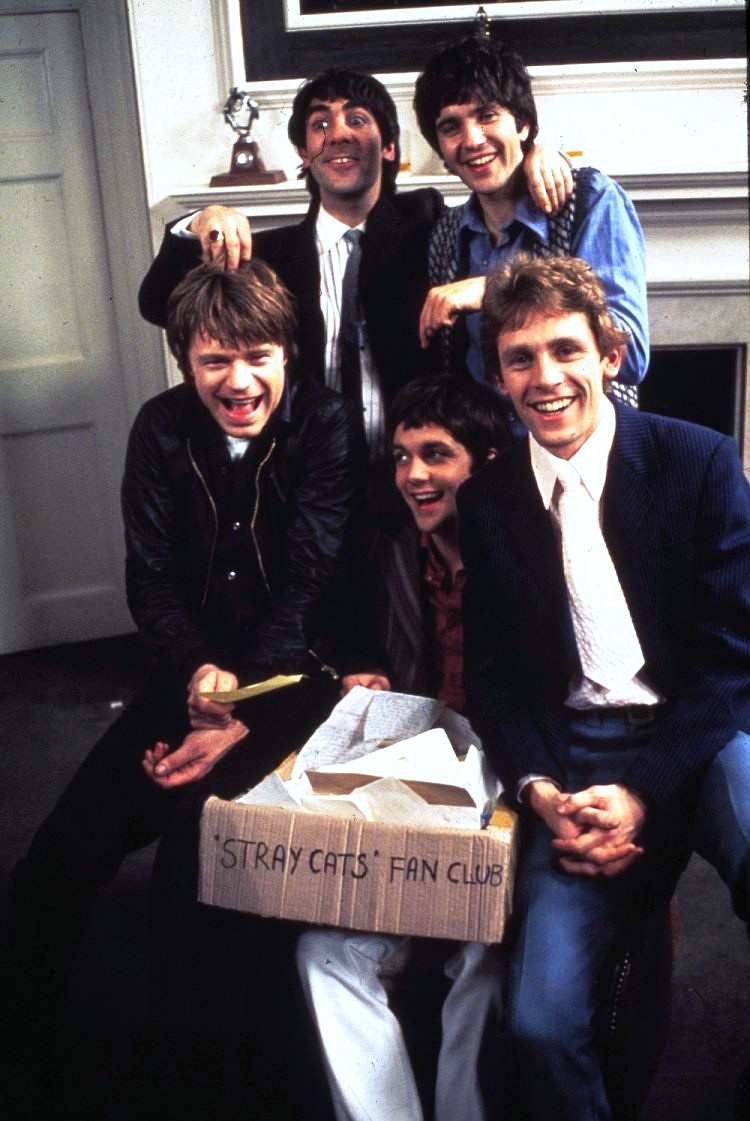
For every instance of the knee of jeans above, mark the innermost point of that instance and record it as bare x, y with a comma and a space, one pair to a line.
553, 1017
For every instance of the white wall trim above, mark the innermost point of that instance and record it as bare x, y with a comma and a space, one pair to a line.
581, 78
707, 191
702, 288
508, 9
230, 57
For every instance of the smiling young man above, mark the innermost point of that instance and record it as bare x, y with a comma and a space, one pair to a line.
239, 492
475, 107
442, 432
606, 659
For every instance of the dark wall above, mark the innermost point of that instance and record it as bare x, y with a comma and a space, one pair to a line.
272, 52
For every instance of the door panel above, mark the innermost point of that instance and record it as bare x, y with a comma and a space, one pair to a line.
63, 419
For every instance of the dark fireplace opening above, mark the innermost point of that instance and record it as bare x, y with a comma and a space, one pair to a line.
701, 384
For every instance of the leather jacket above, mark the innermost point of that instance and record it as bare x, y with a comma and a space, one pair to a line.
237, 564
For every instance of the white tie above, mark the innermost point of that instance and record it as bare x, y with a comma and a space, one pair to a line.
608, 646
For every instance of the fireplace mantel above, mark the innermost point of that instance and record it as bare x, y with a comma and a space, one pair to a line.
695, 224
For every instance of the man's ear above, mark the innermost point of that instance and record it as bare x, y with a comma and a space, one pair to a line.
611, 362
491, 454
389, 151
302, 153
499, 384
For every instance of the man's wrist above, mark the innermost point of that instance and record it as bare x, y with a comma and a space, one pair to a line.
524, 787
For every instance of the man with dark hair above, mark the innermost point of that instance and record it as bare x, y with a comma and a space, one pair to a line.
607, 660
475, 107
360, 90
441, 432
357, 263
239, 491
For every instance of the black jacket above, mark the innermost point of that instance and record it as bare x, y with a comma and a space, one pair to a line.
393, 282
237, 564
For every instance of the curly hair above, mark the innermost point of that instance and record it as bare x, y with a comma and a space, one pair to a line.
548, 286
475, 69
237, 309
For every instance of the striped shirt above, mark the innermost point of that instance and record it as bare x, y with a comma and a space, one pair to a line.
333, 253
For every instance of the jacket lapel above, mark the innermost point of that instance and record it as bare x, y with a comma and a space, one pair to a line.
529, 524
629, 492
297, 264
381, 233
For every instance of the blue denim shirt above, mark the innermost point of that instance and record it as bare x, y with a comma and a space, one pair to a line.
609, 237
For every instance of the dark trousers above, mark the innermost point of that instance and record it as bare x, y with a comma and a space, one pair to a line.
565, 924
230, 1034
109, 809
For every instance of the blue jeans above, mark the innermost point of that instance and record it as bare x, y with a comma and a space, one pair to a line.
565, 924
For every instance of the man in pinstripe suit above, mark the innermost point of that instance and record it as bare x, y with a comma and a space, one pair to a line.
626, 744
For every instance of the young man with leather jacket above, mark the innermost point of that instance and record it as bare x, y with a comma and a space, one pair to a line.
239, 493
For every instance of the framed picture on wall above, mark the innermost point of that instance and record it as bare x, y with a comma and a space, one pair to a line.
296, 38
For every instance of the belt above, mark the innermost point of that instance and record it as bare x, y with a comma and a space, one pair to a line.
637, 715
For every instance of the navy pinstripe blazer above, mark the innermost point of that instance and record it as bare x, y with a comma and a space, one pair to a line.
676, 517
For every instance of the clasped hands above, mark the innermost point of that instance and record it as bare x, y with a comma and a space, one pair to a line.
215, 732
595, 829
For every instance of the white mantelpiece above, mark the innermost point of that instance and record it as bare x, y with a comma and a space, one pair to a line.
696, 229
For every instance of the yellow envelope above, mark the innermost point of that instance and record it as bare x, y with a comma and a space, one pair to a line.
280, 681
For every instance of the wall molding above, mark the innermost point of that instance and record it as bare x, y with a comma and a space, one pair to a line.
583, 78
712, 195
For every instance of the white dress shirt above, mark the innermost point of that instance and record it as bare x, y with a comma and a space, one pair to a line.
333, 253
590, 461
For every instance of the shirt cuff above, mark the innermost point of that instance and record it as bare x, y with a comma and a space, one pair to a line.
180, 228
524, 782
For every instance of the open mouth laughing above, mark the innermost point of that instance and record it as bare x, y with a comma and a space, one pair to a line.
476, 163
426, 499
242, 407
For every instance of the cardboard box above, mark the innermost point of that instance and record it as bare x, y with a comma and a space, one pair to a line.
433, 882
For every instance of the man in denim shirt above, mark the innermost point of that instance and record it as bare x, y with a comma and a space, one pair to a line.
475, 107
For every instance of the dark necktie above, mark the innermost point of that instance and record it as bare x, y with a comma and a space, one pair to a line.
350, 329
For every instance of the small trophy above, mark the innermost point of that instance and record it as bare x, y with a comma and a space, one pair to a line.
246, 167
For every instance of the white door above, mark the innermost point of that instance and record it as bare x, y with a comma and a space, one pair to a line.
63, 416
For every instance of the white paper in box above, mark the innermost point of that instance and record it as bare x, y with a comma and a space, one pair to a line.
365, 875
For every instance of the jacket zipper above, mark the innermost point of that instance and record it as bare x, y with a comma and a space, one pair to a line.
325, 668
254, 518
215, 519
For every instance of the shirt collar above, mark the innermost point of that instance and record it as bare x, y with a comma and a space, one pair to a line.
526, 212
329, 230
436, 571
529, 214
590, 461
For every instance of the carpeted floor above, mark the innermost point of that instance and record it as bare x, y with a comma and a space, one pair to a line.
55, 704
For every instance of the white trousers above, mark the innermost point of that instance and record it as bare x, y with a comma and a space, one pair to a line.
344, 973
